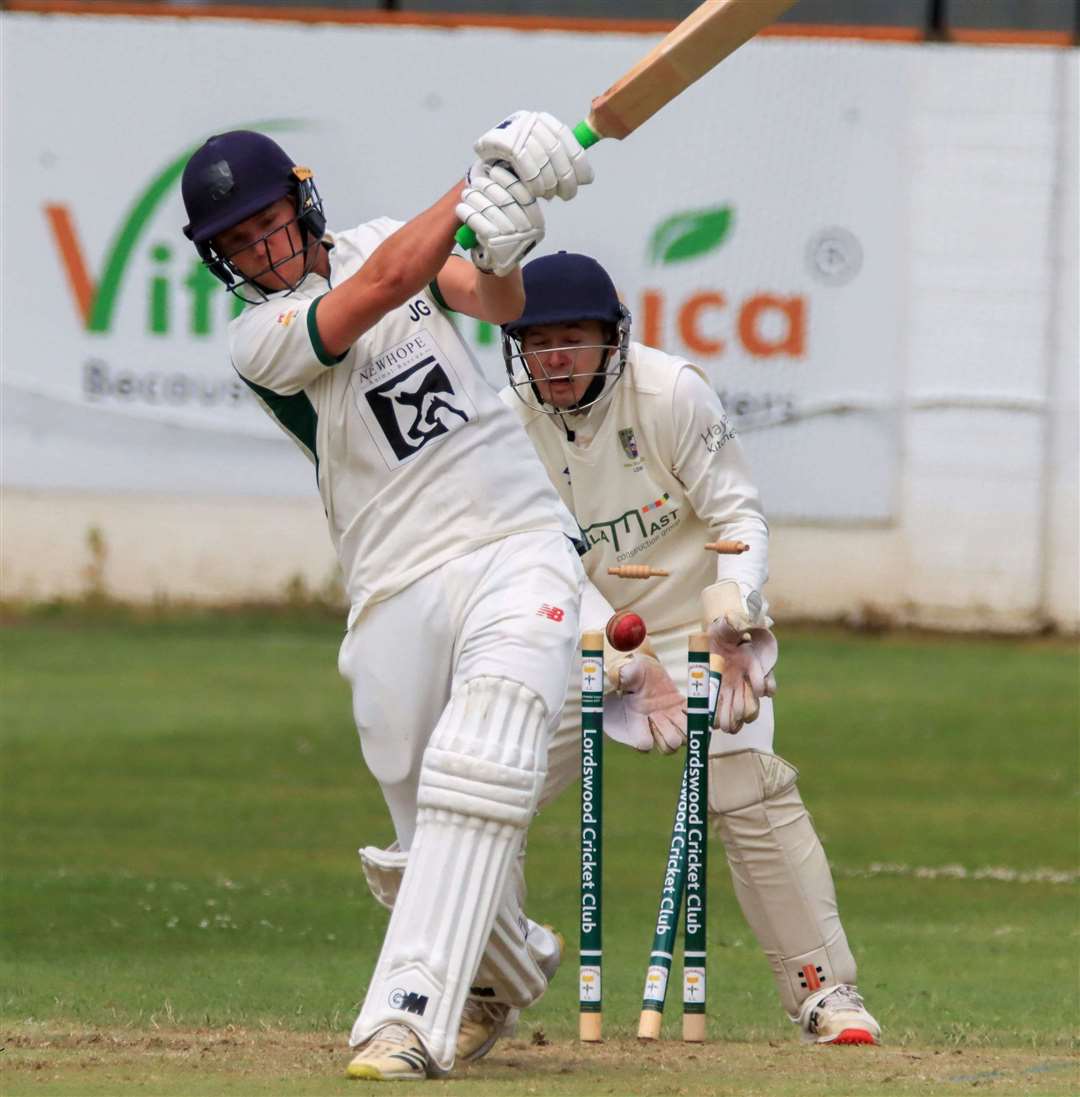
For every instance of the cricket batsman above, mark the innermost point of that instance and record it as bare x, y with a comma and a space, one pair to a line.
459, 559
642, 452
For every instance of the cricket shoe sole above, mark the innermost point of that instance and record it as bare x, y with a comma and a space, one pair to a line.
838, 1016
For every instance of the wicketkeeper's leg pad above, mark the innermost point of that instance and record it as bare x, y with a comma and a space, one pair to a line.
780, 872
479, 784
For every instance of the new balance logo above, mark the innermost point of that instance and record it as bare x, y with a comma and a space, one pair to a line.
553, 613
408, 1001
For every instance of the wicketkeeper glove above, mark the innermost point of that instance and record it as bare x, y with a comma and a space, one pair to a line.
648, 710
739, 633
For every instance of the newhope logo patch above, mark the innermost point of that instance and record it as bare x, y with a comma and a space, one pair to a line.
410, 397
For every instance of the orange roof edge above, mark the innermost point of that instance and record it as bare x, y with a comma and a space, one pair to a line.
972, 37
352, 16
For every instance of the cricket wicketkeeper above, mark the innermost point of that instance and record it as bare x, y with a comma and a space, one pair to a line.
642, 452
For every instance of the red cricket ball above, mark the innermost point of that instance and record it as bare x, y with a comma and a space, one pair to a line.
626, 631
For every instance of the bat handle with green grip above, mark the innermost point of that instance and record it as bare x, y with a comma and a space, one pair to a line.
586, 136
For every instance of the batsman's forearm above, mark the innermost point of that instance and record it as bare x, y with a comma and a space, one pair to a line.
500, 300
400, 267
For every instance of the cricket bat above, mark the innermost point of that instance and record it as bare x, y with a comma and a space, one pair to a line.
712, 31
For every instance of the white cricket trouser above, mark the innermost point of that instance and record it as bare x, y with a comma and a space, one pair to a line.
479, 615
507, 612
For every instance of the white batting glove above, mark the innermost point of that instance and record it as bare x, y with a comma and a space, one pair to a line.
648, 710
504, 215
542, 152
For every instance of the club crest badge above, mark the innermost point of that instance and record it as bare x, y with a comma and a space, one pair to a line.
629, 443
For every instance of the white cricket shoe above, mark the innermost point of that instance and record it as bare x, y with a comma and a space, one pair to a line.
838, 1016
484, 1022
393, 1054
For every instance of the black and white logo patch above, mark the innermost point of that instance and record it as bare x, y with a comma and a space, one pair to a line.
415, 407
410, 397
408, 1001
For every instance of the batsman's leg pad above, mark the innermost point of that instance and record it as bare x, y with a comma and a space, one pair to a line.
383, 870
479, 785
780, 873
514, 967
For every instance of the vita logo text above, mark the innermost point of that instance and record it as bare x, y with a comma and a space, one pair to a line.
180, 295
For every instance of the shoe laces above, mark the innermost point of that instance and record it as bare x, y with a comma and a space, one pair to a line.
396, 1035
842, 995
479, 1010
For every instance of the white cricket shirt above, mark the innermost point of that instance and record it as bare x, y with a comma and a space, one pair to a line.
417, 459
654, 472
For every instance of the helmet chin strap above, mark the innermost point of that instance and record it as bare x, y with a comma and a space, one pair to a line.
595, 387
570, 434
592, 395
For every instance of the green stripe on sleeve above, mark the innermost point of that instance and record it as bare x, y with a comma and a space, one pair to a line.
317, 345
433, 289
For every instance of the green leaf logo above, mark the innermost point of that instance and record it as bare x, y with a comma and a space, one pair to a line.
688, 235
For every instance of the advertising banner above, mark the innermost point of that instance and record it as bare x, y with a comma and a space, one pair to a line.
751, 227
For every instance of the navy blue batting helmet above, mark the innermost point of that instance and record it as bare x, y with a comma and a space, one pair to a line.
231, 178
565, 287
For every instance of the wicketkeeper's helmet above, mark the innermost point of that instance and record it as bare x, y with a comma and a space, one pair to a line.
563, 289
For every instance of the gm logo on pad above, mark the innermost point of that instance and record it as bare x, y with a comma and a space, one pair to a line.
408, 1001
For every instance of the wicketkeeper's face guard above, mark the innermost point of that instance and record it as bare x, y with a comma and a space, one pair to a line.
564, 366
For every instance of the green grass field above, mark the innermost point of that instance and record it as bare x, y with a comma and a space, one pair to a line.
183, 908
